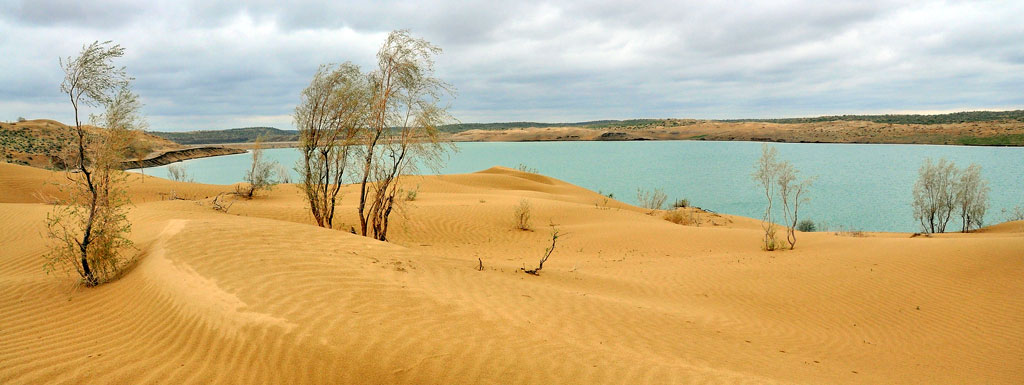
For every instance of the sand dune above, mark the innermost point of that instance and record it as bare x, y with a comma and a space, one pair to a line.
260, 295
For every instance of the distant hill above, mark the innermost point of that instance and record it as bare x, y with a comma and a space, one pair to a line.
41, 142
233, 135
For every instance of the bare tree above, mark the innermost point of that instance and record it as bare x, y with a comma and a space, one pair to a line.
260, 175
971, 197
792, 194
402, 126
935, 195
766, 173
332, 111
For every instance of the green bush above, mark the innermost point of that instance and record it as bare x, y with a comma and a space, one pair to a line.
807, 226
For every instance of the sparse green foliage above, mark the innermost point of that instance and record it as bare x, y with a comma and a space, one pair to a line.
332, 111
21, 119
651, 200
402, 130
521, 215
90, 229
681, 203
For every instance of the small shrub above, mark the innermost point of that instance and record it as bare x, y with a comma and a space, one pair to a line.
524, 168
411, 194
807, 226
651, 200
21, 119
522, 215
681, 203
1014, 214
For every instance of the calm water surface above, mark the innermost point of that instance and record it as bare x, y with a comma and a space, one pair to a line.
858, 187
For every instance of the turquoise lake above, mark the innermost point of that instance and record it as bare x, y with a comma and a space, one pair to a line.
859, 186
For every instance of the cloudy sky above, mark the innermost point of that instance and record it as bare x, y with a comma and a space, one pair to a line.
209, 64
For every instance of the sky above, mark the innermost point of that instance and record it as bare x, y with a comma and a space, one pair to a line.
208, 64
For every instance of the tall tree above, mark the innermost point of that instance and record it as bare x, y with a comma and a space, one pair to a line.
331, 112
91, 229
402, 127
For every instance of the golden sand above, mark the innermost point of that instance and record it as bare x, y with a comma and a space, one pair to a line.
260, 295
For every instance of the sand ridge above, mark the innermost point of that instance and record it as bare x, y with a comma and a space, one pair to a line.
260, 295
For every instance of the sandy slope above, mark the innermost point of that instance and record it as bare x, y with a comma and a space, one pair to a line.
261, 296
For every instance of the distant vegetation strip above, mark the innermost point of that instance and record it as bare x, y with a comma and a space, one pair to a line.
951, 118
249, 134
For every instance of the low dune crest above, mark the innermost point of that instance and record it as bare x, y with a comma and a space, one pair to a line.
261, 295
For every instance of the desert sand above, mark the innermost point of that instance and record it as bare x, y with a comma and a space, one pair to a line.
261, 295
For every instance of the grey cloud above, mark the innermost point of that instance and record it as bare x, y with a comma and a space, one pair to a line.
217, 64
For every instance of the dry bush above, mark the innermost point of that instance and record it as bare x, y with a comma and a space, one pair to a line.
651, 200
527, 169
220, 204
680, 217
1014, 214
260, 175
178, 172
681, 203
281, 174
521, 215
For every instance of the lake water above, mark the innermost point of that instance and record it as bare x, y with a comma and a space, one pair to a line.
858, 187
